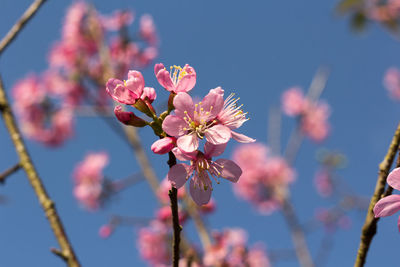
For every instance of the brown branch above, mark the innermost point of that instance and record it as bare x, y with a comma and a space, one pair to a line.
173, 196
37, 185
13, 32
8, 172
298, 236
370, 224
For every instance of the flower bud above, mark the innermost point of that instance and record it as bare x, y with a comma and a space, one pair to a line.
128, 118
149, 94
164, 145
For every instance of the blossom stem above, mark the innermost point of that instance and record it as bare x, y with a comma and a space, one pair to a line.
370, 224
298, 236
47, 204
173, 196
13, 32
8, 172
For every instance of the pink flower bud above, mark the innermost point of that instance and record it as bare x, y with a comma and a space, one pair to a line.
149, 94
128, 118
105, 231
164, 145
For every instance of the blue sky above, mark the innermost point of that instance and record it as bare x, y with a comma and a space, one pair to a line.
256, 50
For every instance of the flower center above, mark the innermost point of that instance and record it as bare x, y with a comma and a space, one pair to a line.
200, 122
177, 73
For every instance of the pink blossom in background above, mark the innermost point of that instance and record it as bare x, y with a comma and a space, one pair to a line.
332, 219
383, 11
164, 214
88, 180
392, 82
201, 166
105, 231
118, 20
389, 205
153, 244
229, 249
177, 80
323, 183
293, 101
44, 116
314, 122
147, 29
265, 178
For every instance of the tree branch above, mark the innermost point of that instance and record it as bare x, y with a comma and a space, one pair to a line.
13, 32
37, 185
370, 224
8, 172
173, 196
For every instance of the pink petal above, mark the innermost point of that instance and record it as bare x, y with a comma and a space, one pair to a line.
218, 134
158, 67
387, 206
213, 102
116, 89
188, 81
241, 138
188, 143
394, 179
173, 125
135, 82
183, 102
199, 195
164, 79
231, 171
182, 155
211, 150
178, 175
163, 145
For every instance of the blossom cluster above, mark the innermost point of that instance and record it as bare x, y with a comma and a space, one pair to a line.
313, 115
265, 178
184, 125
87, 51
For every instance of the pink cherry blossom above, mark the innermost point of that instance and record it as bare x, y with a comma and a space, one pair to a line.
314, 122
149, 94
147, 29
176, 80
389, 205
153, 243
163, 145
192, 122
232, 116
323, 183
201, 166
293, 101
126, 92
88, 179
265, 178
118, 20
392, 82
105, 231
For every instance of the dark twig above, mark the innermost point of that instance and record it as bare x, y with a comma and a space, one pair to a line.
8, 172
370, 224
13, 32
173, 196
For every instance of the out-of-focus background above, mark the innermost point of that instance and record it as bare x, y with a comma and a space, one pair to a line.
255, 49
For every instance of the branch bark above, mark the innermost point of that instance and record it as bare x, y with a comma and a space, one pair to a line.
370, 224
8, 172
26, 163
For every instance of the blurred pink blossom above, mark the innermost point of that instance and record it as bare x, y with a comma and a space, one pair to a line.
392, 82
293, 101
323, 183
265, 178
88, 178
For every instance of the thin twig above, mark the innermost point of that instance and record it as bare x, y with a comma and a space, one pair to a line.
173, 196
13, 32
33, 177
8, 172
370, 224
298, 236
274, 129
